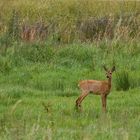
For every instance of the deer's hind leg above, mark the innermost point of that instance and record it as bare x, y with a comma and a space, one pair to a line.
80, 99
104, 98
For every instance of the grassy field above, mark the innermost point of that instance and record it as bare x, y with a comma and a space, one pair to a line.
38, 92
39, 77
35, 115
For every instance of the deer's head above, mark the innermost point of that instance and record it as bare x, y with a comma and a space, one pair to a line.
109, 71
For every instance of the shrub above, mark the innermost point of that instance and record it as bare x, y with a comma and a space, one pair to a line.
122, 80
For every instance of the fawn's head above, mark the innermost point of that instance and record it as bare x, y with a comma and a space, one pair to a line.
109, 71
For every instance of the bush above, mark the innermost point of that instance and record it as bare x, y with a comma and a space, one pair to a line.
122, 80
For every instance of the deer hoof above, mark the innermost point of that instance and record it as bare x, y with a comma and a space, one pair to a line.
79, 107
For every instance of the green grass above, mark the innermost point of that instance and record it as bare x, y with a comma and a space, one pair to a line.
38, 80
25, 117
37, 98
38, 89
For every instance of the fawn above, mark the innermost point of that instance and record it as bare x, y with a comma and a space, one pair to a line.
96, 87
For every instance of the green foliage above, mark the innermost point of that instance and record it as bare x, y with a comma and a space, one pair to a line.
38, 79
53, 117
76, 54
126, 80
34, 52
122, 80
39, 89
5, 64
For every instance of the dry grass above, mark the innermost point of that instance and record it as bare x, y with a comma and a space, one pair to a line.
65, 19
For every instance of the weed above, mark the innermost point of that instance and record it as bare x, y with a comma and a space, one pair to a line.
122, 80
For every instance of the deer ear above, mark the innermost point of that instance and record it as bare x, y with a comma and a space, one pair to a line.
104, 67
113, 68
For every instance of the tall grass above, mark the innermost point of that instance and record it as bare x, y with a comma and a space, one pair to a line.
67, 21
39, 76
60, 68
71, 9
123, 81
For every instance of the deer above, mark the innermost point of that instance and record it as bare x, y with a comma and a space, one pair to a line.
96, 87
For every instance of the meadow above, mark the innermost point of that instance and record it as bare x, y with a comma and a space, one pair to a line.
39, 77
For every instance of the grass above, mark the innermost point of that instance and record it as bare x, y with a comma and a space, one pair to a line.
38, 79
123, 81
26, 118
67, 21
37, 98
56, 9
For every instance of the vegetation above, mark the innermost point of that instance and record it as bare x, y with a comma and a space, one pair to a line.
67, 21
39, 71
39, 89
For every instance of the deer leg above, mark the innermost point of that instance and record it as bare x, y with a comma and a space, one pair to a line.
80, 99
104, 97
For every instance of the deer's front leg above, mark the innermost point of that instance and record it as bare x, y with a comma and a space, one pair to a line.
104, 98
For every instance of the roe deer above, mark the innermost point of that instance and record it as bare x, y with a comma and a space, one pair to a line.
96, 87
